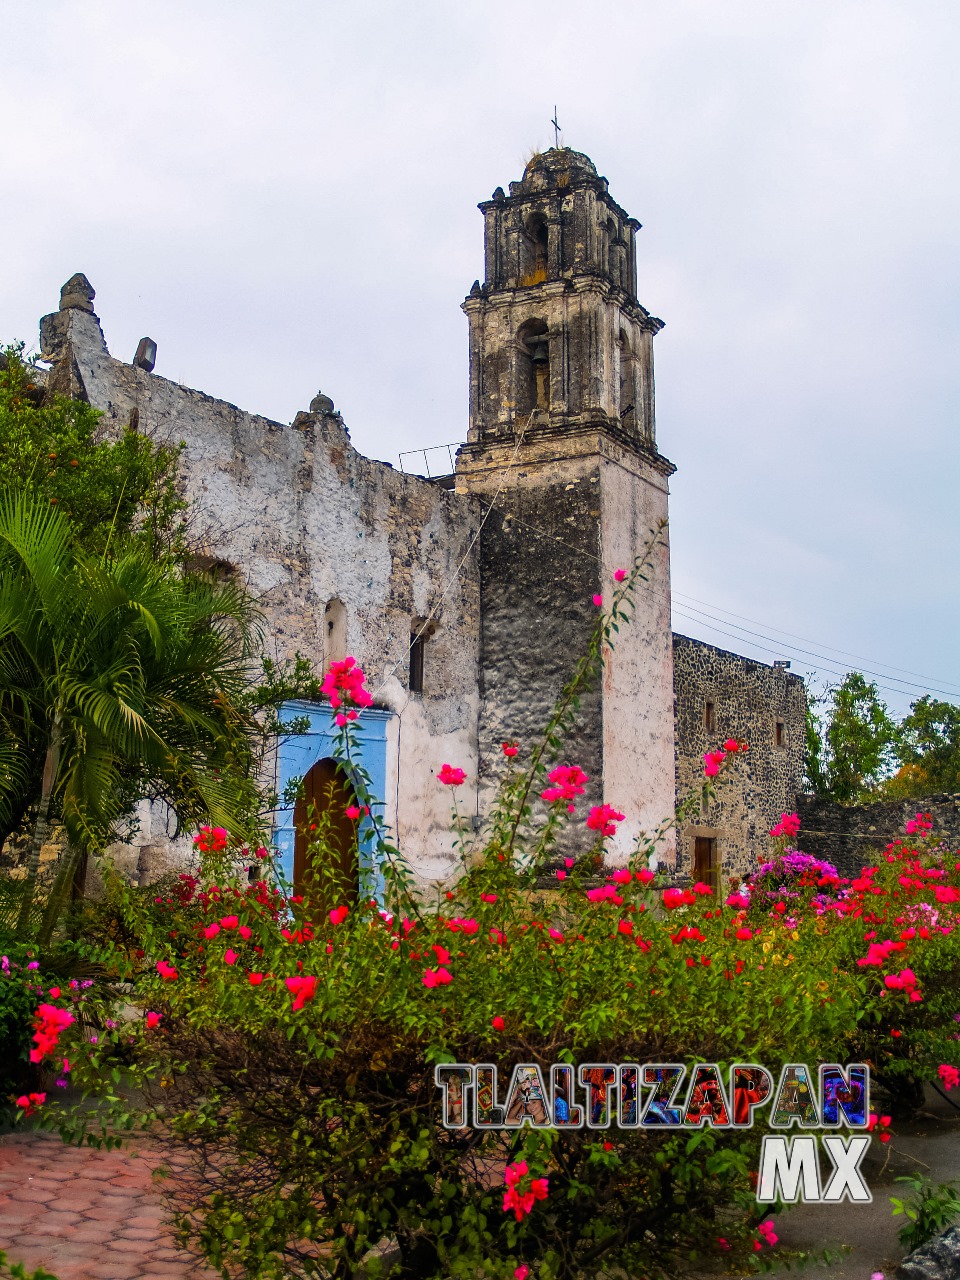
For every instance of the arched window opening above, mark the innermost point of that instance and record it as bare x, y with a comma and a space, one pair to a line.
614, 253
334, 633
326, 867
535, 247
533, 368
628, 391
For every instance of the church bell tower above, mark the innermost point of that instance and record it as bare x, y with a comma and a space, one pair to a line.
561, 450
558, 339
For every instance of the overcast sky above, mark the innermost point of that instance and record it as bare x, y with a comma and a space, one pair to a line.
284, 196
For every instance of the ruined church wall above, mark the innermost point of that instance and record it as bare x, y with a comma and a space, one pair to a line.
305, 519
748, 698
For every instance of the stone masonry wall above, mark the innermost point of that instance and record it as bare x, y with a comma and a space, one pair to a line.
851, 836
749, 698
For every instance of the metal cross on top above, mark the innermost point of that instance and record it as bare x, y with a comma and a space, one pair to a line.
556, 129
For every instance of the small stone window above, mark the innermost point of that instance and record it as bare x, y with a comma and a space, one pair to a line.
779, 734
710, 716
334, 633
418, 645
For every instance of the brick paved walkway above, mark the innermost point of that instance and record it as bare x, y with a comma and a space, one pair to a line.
86, 1214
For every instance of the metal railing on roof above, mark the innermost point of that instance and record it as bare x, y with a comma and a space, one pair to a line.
448, 455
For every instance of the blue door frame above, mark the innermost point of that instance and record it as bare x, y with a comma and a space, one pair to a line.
297, 753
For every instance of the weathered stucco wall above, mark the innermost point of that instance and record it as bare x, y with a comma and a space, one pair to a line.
748, 699
304, 519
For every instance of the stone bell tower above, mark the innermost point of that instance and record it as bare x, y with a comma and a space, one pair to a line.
562, 449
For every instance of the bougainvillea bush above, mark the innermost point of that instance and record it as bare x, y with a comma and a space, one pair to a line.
292, 1049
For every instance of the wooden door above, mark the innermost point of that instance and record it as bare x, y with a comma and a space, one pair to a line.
705, 860
321, 809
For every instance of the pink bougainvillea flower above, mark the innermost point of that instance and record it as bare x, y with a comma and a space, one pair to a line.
946, 893
302, 988
625, 926
789, 826
230, 956
623, 875
521, 1272
509, 749
568, 783
344, 683
568, 862
451, 776
604, 818
254, 979
738, 900
442, 954
211, 931
166, 971
497, 937
604, 893
211, 840
488, 897
561, 875
229, 922
338, 914
352, 812
459, 924
949, 1076
918, 826
619, 575
153, 1020
437, 977
712, 760
598, 601
743, 934
497, 1023
522, 1202
245, 932
645, 875
766, 1230
555, 934
702, 888
49, 1021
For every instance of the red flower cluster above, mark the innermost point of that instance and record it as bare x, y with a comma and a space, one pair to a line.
451, 776
28, 1102
522, 1202
568, 782
166, 971
509, 749
673, 898
49, 1022
339, 914
879, 1122
303, 989
604, 818
211, 840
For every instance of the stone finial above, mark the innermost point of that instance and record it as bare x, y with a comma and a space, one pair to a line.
475, 289
77, 294
321, 404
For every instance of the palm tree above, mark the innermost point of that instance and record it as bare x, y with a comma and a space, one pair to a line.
120, 678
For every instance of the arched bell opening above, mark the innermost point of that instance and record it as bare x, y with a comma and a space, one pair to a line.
533, 368
326, 867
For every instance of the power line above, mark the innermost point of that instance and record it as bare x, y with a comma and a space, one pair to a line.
833, 649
